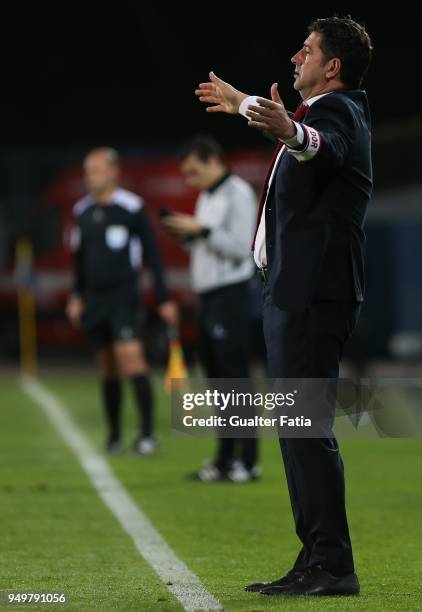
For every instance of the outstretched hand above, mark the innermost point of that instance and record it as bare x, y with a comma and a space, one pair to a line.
271, 116
223, 96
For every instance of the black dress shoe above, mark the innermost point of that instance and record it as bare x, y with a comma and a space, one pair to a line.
316, 581
286, 580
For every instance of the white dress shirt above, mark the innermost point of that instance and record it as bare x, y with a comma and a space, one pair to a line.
260, 252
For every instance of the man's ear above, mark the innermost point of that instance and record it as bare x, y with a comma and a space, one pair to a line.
333, 68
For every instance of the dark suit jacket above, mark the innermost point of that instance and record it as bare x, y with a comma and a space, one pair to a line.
315, 209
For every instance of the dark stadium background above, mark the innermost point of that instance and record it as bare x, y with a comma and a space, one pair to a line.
126, 71
123, 74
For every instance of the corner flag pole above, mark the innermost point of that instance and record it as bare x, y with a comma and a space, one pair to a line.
26, 307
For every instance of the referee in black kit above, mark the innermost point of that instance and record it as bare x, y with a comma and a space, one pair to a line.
110, 238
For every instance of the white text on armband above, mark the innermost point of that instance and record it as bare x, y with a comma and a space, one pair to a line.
310, 146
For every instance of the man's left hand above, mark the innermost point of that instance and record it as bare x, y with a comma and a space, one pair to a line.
169, 313
183, 226
271, 116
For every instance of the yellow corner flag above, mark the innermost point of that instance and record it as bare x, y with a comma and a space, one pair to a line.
176, 367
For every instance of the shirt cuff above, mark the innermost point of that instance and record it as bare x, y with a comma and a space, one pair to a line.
298, 139
205, 232
246, 102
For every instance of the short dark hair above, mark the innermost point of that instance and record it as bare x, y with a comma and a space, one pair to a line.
348, 40
204, 147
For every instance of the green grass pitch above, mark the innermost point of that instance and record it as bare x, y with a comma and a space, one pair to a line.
56, 534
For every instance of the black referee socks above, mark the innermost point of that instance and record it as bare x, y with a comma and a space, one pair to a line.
112, 394
143, 397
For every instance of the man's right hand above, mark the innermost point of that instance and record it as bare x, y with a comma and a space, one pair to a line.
74, 310
224, 97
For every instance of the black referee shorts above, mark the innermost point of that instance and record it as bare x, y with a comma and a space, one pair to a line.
112, 316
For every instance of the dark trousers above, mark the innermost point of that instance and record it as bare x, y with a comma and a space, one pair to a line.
224, 347
309, 344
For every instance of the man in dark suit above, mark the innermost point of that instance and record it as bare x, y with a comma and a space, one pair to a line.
309, 247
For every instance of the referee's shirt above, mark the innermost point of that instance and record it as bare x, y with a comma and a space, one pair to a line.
110, 242
222, 256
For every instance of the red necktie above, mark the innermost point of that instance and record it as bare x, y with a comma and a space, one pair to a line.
299, 114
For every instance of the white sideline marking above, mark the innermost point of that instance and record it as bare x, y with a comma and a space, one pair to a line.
183, 583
